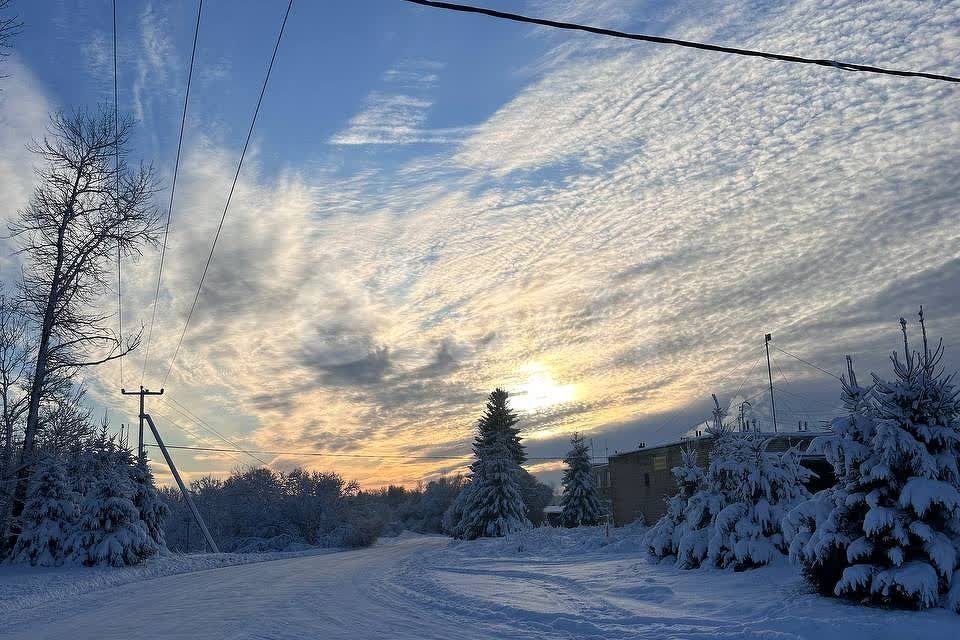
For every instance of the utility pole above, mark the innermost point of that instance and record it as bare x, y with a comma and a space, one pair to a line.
144, 416
143, 392
773, 405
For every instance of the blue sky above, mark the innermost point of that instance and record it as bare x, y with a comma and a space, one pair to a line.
435, 204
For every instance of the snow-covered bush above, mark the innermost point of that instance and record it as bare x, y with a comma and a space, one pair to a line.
889, 533
663, 538
109, 530
761, 487
47, 517
153, 511
580, 502
729, 514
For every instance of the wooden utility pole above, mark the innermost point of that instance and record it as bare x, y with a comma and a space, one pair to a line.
773, 405
143, 392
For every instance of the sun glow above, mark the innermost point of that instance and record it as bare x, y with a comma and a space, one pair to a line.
540, 391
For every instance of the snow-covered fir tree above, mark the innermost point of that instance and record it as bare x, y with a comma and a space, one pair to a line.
815, 528
710, 497
580, 501
663, 538
491, 504
47, 517
109, 530
500, 422
153, 511
760, 488
897, 516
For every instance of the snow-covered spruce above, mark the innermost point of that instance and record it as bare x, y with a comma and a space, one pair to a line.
153, 511
109, 530
491, 504
729, 515
663, 538
580, 502
761, 488
889, 533
47, 517
695, 529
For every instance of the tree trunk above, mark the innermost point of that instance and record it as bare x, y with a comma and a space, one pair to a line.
33, 413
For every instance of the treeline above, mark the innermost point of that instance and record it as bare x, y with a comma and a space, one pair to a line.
260, 509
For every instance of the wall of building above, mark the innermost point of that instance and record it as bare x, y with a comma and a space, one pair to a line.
641, 481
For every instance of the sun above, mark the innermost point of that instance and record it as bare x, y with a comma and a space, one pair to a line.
539, 391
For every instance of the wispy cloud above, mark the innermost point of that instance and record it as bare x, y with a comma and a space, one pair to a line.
632, 222
399, 113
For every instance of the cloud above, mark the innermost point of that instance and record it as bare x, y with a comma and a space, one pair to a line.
400, 115
632, 222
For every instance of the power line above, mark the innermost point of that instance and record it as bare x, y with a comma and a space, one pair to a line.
116, 160
189, 433
808, 363
204, 425
173, 189
344, 455
233, 186
843, 66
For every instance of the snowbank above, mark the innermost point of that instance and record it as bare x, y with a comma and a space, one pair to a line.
579, 583
555, 542
25, 586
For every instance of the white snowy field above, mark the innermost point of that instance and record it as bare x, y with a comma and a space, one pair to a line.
542, 584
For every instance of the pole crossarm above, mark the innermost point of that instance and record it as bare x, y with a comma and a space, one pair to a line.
142, 393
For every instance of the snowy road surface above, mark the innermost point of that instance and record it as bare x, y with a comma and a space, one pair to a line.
542, 585
325, 596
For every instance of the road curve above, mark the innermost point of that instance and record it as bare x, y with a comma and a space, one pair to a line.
331, 596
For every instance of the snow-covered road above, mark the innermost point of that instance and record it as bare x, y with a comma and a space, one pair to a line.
544, 584
325, 596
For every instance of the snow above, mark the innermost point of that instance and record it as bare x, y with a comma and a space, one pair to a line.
542, 583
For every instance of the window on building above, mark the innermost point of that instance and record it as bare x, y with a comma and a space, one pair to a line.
646, 479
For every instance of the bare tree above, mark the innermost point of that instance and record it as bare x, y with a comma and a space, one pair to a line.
84, 210
9, 27
14, 362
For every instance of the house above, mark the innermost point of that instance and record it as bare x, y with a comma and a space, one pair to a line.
640, 481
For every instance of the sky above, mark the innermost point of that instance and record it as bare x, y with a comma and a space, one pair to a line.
437, 204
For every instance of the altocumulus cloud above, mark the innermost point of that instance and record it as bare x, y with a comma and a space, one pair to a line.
631, 221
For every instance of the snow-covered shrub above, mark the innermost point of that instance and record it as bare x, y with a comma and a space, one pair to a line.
761, 488
361, 528
729, 514
109, 530
47, 517
663, 538
890, 532
153, 511
580, 502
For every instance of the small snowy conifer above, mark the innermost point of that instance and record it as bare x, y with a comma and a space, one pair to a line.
711, 496
663, 538
761, 487
47, 517
153, 511
109, 530
896, 513
580, 502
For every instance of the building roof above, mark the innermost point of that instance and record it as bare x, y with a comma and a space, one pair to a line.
799, 435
